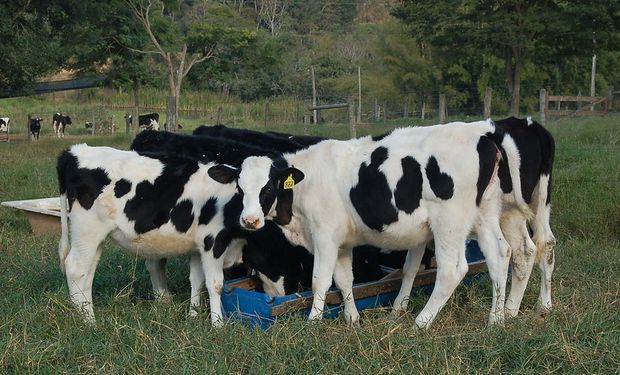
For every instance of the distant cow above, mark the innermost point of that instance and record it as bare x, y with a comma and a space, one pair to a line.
60, 122
35, 127
150, 121
4, 124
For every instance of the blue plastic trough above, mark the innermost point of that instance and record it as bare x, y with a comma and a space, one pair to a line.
241, 301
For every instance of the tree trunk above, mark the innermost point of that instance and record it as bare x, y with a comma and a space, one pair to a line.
135, 116
172, 110
513, 78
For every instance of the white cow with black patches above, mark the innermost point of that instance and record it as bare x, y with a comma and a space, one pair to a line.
153, 207
396, 191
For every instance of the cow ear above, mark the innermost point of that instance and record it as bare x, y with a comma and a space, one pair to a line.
290, 177
223, 173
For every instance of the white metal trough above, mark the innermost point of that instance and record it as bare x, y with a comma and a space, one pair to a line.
43, 214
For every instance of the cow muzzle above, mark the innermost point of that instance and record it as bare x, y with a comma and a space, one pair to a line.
251, 222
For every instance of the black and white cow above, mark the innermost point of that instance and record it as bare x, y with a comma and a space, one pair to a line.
536, 149
394, 191
5, 123
154, 206
150, 121
35, 127
60, 122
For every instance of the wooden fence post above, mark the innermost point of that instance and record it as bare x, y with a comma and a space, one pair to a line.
385, 115
92, 130
29, 134
315, 113
266, 112
543, 106
488, 92
405, 110
375, 112
219, 115
127, 124
423, 110
352, 130
442, 108
359, 94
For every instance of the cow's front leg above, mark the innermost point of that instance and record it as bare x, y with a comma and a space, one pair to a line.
214, 280
325, 258
343, 278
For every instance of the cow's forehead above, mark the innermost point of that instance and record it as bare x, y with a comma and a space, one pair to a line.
254, 172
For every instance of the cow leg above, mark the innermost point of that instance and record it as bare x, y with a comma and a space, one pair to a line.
450, 236
214, 280
545, 242
80, 266
157, 271
325, 259
410, 270
514, 227
197, 282
343, 278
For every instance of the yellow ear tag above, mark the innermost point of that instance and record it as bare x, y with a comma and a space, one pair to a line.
289, 182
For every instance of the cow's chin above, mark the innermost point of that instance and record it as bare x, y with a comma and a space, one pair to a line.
250, 227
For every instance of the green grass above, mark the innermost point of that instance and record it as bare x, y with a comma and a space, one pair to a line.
41, 333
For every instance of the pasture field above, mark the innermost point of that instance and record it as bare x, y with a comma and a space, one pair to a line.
41, 333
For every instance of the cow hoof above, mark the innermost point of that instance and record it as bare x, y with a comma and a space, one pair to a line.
397, 313
193, 313
217, 323
511, 313
352, 319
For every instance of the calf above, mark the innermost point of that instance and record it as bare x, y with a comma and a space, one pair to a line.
150, 121
35, 127
395, 191
5, 122
156, 206
60, 122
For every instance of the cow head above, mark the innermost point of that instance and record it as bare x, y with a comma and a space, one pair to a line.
266, 187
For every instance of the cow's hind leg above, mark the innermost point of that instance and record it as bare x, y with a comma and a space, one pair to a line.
450, 235
157, 271
197, 282
410, 270
514, 227
80, 266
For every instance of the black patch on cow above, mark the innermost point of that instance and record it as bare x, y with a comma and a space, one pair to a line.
208, 242
182, 216
121, 187
441, 183
222, 240
151, 206
232, 211
208, 211
486, 164
284, 206
267, 195
82, 184
409, 188
372, 196
377, 138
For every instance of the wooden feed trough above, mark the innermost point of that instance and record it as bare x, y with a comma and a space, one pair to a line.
241, 301
43, 214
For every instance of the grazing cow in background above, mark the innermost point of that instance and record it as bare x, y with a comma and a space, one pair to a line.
5, 122
60, 122
395, 191
153, 206
150, 121
536, 149
35, 127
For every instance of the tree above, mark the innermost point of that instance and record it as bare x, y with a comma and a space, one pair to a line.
179, 47
513, 30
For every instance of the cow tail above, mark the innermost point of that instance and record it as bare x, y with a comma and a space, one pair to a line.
514, 164
63, 245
